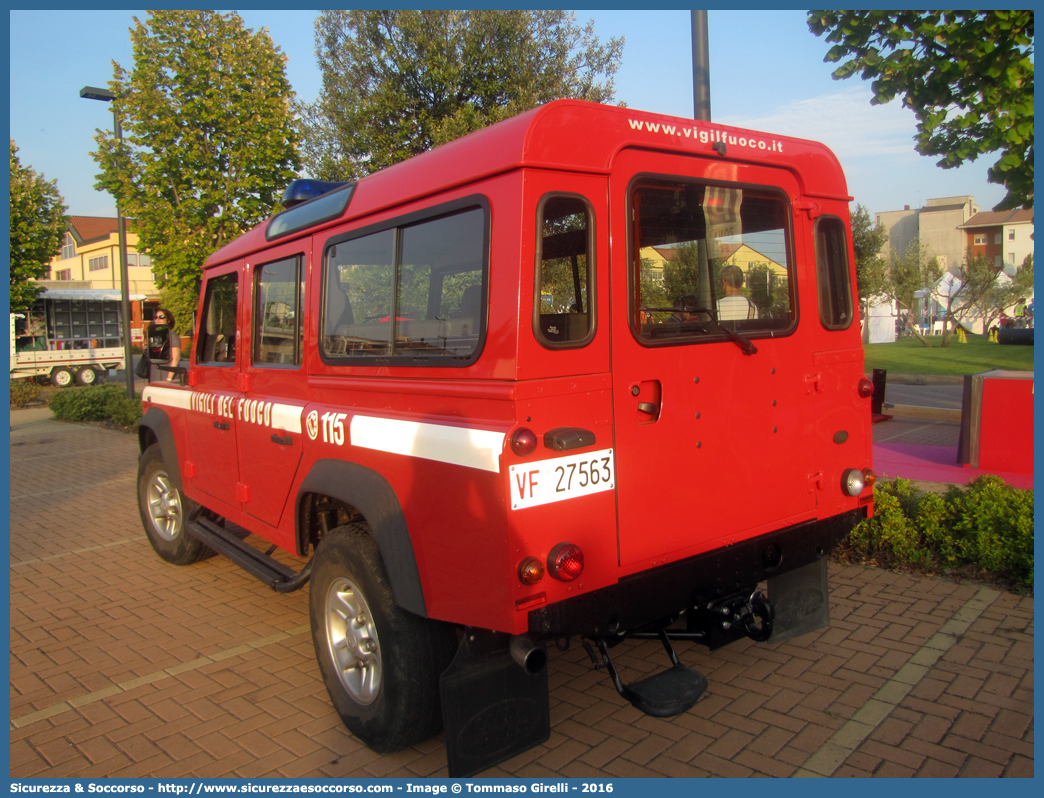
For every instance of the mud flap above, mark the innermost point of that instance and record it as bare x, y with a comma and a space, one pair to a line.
491, 708
802, 601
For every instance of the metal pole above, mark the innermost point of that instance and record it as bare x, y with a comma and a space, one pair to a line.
106, 96
701, 108
121, 226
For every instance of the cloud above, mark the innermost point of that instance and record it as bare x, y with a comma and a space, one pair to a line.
844, 121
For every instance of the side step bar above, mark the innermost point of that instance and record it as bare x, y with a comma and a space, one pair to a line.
273, 573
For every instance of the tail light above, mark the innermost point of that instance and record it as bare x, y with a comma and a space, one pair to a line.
530, 571
865, 388
523, 442
869, 477
565, 562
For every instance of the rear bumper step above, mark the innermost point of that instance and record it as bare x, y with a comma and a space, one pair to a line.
273, 573
664, 694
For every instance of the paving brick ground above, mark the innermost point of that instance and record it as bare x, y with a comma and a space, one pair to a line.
124, 666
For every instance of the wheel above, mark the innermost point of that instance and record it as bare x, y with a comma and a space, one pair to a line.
163, 510
62, 377
381, 664
86, 376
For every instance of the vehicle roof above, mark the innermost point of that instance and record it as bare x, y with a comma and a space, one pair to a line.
569, 135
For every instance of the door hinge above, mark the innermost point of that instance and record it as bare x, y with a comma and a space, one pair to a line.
813, 383
242, 492
243, 382
808, 205
815, 481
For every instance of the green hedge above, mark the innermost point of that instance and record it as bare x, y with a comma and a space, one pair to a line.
108, 402
23, 392
986, 527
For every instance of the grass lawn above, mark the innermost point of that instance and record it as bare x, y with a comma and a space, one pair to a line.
910, 356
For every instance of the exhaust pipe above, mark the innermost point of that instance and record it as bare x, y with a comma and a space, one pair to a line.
529, 656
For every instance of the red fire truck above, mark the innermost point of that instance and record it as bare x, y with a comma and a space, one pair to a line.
589, 373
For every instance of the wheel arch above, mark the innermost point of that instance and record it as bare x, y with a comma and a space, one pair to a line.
155, 427
375, 499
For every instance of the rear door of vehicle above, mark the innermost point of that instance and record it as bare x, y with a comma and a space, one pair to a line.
713, 444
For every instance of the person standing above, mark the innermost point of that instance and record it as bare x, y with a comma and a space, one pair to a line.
160, 332
733, 305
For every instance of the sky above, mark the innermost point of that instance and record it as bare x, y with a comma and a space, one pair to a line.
766, 72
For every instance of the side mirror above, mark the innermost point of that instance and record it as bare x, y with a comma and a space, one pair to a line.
158, 342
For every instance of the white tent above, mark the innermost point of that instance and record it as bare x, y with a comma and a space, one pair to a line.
879, 324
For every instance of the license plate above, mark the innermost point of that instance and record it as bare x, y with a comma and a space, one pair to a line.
547, 481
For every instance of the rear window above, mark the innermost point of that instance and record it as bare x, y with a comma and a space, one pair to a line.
411, 294
706, 257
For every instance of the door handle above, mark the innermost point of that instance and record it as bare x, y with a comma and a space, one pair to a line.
222, 425
283, 440
650, 394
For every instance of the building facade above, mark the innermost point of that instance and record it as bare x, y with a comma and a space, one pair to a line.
936, 226
90, 258
1005, 237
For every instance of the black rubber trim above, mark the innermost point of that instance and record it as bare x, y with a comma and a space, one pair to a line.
372, 495
157, 420
652, 595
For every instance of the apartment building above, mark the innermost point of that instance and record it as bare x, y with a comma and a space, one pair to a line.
1005, 237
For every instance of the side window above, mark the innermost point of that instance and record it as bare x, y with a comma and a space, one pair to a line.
833, 275
564, 272
277, 318
413, 294
217, 334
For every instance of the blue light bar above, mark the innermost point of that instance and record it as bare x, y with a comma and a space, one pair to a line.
305, 189
307, 205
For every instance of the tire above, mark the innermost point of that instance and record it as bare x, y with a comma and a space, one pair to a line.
86, 376
62, 377
163, 510
381, 664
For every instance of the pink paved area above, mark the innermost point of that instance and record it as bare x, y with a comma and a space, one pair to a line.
933, 464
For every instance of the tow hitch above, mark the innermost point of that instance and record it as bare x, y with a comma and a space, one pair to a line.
678, 688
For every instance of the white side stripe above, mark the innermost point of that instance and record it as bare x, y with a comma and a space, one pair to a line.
283, 417
171, 397
286, 417
473, 448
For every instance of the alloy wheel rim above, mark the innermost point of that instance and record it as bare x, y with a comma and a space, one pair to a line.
164, 506
352, 640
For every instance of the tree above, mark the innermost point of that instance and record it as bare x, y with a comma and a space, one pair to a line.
397, 83
1002, 293
967, 75
872, 276
909, 273
38, 225
210, 139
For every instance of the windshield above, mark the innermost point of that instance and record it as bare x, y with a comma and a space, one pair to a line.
707, 258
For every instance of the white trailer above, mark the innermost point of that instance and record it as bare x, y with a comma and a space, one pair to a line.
69, 336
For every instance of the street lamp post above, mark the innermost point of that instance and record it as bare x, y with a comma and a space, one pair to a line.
92, 93
700, 67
